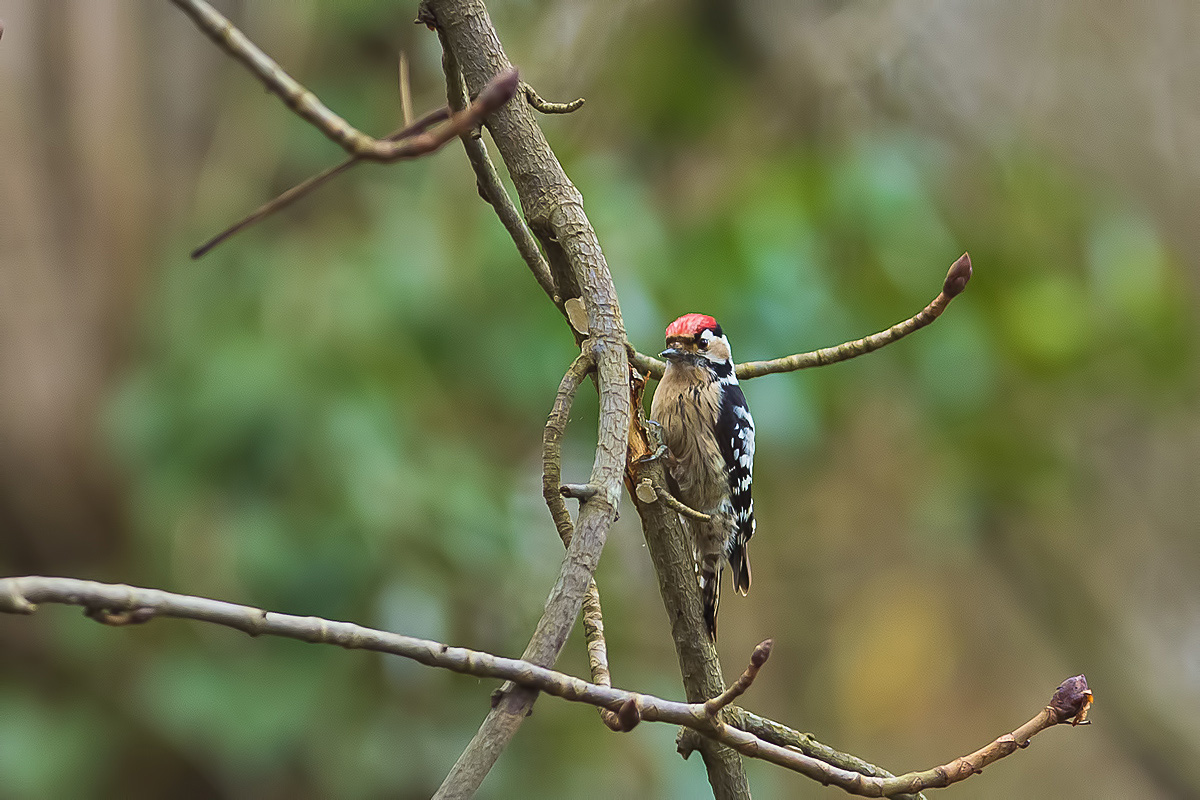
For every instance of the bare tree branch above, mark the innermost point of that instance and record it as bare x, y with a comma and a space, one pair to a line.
491, 188
776, 733
554, 209
956, 281
581, 272
552, 436
647, 492
124, 605
671, 551
501, 88
402, 78
307, 186
757, 659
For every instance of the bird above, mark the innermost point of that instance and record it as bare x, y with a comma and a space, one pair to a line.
709, 437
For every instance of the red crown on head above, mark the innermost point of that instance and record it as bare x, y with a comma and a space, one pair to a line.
690, 325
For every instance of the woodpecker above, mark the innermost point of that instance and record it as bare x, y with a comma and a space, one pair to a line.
709, 434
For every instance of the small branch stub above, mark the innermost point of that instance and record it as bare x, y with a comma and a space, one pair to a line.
647, 492
757, 659
578, 491
545, 106
108, 616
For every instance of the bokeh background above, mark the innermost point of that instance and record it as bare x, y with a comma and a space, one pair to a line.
339, 412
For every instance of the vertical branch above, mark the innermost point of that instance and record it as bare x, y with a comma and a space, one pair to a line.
674, 564
554, 209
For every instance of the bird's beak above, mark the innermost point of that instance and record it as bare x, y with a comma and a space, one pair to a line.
671, 354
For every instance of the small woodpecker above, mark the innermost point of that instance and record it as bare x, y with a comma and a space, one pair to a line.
709, 435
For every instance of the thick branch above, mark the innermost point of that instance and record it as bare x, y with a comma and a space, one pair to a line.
670, 550
122, 605
956, 281
554, 209
306, 105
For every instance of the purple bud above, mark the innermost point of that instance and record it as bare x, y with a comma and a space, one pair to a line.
762, 653
1072, 699
957, 277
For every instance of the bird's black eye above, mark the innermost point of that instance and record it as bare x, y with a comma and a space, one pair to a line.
701, 342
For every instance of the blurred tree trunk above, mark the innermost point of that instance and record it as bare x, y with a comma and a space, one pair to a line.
84, 189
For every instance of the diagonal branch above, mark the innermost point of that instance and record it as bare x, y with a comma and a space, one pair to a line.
647, 492
123, 605
742, 684
487, 179
305, 104
956, 281
776, 733
310, 184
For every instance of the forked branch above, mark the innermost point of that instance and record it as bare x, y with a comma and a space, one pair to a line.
123, 605
307, 106
552, 436
311, 184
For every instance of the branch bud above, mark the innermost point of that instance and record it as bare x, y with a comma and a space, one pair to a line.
762, 653
957, 277
1071, 700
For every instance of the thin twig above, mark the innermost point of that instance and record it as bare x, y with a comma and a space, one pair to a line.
116, 604
757, 659
406, 103
956, 281
597, 648
552, 436
306, 105
308, 185
777, 733
545, 106
661, 493
490, 186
